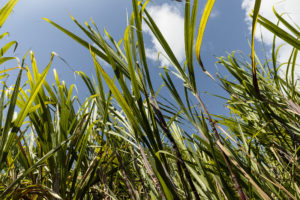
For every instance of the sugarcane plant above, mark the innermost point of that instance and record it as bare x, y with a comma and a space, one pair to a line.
126, 140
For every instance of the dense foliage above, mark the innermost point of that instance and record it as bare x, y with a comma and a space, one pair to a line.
130, 142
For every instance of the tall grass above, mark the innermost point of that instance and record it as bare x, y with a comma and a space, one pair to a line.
129, 143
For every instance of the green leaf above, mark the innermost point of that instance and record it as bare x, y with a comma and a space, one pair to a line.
6, 10
254, 22
202, 26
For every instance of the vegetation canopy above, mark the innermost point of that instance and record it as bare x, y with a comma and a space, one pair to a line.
130, 141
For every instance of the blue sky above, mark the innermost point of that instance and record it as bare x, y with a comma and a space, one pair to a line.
227, 30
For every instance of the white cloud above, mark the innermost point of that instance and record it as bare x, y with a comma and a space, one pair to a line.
290, 7
171, 24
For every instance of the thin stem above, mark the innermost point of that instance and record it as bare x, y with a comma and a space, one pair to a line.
166, 129
151, 173
227, 162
